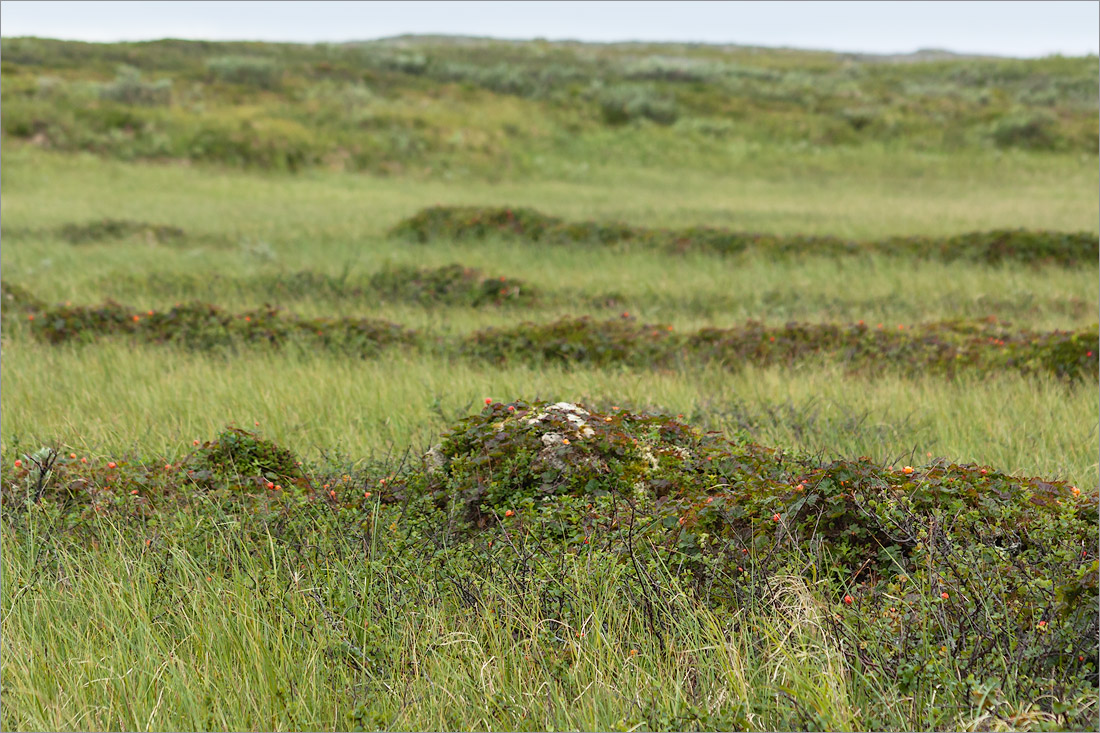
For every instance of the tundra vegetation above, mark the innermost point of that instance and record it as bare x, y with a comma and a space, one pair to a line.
443, 383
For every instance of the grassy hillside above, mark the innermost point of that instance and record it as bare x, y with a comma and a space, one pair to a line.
444, 383
430, 107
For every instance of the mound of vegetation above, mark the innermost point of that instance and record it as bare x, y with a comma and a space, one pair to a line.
945, 347
944, 578
449, 285
942, 556
471, 222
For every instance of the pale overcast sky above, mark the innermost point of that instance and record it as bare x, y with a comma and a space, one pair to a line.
1002, 28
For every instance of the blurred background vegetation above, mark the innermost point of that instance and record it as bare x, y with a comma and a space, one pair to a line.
425, 106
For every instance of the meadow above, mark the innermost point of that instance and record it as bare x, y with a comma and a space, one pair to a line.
292, 338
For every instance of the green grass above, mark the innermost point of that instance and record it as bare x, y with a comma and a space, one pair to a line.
113, 399
234, 607
164, 639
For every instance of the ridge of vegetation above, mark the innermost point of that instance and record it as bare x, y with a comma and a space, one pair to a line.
946, 347
528, 225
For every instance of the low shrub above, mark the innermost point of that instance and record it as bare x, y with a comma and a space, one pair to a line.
202, 326
448, 285
237, 454
128, 88
1034, 130
955, 563
623, 103
946, 347
254, 71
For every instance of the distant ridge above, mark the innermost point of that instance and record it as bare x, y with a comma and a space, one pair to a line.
918, 56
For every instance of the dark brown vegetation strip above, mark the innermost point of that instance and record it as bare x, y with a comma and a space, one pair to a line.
202, 326
945, 347
1003, 245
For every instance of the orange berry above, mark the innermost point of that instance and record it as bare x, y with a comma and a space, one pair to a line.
30, 317
134, 491
509, 513
907, 470
270, 485
167, 466
194, 442
136, 318
488, 400
848, 600
149, 313
565, 441
18, 463
944, 595
112, 464
332, 493
83, 460
775, 517
366, 494
72, 455
277, 487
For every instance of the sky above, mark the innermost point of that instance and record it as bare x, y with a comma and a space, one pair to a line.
1018, 28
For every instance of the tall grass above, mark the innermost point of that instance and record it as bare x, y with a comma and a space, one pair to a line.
204, 625
114, 398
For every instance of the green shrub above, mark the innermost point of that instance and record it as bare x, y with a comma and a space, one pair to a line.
241, 454
253, 71
448, 285
1035, 130
128, 88
623, 103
